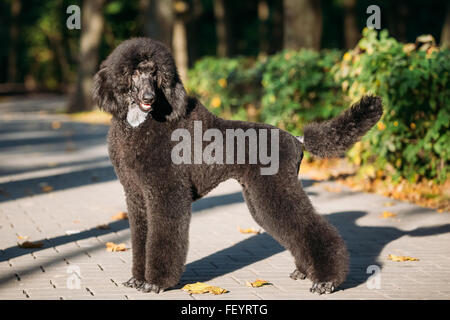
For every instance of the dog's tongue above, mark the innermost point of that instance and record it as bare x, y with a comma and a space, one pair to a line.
146, 107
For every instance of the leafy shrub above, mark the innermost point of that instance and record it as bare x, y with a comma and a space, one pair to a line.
299, 88
412, 139
227, 86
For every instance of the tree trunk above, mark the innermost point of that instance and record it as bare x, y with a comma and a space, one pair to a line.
92, 23
445, 35
157, 20
14, 39
277, 30
179, 40
193, 26
222, 28
302, 24
351, 30
263, 17
402, 24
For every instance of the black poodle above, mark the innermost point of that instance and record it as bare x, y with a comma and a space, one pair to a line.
139, 85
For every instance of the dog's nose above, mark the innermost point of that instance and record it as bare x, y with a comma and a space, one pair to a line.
148, 98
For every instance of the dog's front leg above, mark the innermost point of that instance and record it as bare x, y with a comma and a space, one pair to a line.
167, 240
138, 226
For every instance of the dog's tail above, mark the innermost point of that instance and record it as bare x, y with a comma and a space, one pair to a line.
333, 137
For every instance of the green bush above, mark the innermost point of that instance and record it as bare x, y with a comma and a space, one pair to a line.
299, 88
227, 86
412, 139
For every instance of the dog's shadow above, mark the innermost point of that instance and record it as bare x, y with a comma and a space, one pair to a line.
363, 242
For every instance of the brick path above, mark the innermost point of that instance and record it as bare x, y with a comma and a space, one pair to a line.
73, 161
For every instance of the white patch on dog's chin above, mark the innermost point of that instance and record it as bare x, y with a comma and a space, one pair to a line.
135, 115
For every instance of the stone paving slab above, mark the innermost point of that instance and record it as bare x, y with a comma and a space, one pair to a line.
73, 262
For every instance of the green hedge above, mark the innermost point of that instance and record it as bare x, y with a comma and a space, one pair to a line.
412, 140
229, 87
292, 88
299, 88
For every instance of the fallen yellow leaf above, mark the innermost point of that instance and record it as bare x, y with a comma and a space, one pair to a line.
112, 247
46, 188
256, 283
120, 216
395, 258
200, 287
103, 227
52, 164
332, 189
389, 204
23, 237
56, 125
248, 230
4, 193
70, 146
30, 245
387, 214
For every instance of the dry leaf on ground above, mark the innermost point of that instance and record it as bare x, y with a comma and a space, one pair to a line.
23, 237
52, 164
120, 216
103, 227
4, 193
332, 189
389, 204
249, 230
395, 258
256, 283
56, 125
200, 287
70, 146
30, 245
45, 187
387, 214
112, 247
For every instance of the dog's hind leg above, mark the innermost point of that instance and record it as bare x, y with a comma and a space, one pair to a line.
279, 204
298, 273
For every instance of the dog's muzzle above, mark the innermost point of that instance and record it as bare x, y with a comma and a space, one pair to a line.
136, 115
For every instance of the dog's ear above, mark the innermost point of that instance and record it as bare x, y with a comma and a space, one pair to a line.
173, 89
102, 92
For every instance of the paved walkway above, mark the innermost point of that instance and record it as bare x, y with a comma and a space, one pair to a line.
71, 163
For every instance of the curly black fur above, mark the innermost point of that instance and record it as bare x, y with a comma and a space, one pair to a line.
159, 193
333, 137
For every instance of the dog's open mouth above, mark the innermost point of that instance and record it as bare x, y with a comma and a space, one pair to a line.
145, 107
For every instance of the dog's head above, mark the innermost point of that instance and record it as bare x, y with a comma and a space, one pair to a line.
139, 78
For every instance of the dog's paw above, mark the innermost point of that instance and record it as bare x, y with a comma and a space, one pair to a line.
133, 283
297, 275
322, 287
148, 287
